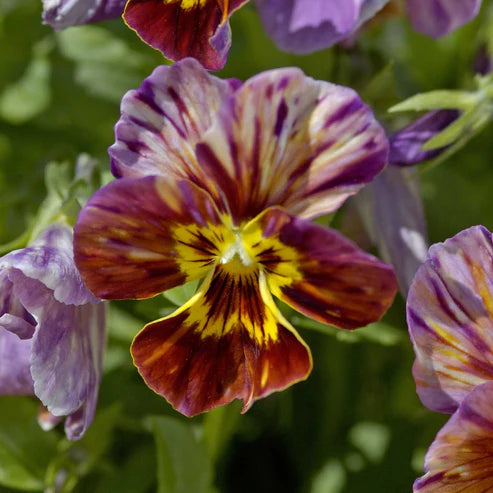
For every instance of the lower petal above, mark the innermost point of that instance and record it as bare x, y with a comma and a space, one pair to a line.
228, 342
461, 457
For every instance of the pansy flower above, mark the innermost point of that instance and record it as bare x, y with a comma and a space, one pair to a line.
217, 181
52, 332
450, 318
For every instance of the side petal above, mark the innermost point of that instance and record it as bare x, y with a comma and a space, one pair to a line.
138, 237
304, 26
436, 18
15, 358
450, 319
67, 351
65, 13
228, 342
183, 28
163, 120
50, 260
319, 272
286, 139
460, 458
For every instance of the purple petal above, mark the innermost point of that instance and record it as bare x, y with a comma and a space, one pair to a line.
437, 18
65, 13
15, 356
450, 318
460, 458
163, 120
13, 316
397, 223
50, 260
406, 145
303, 26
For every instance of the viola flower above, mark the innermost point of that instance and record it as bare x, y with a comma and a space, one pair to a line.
52, 331
217, 182
461, 456
61, 14
450, 317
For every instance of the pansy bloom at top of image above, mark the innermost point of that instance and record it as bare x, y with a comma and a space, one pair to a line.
450, 318
216, 182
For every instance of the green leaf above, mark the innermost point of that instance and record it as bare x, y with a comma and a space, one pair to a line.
372, 439
219, 425
181, 294
183, 465
122, 325
25, 449
434, 100
31, 94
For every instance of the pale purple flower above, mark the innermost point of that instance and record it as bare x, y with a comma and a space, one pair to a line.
52, 333
65, 13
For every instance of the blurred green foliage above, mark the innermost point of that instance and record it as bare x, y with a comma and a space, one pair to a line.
356, 424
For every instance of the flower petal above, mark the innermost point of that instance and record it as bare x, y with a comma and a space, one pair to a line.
460, 459
396, 221
319, 272
138, 237
182, 28
228, 342
163, 120
13, 316
67, 351
406, 144
437, 18
15, 355
286, 139
49, 260
450, 318
303, 26
65, 13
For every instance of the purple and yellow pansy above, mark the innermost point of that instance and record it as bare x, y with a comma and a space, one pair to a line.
217, 181
450, 318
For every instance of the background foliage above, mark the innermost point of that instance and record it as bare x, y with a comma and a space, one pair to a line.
356, 424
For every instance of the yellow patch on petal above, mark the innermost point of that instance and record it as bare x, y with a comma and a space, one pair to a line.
188, 4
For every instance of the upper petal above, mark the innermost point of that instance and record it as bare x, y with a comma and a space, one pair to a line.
138, 237
50, 260
449, 313
163, 120
303, 26
460, 458
437, 18
286, 139
65, 13
319, 272
183, 28
228, 342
